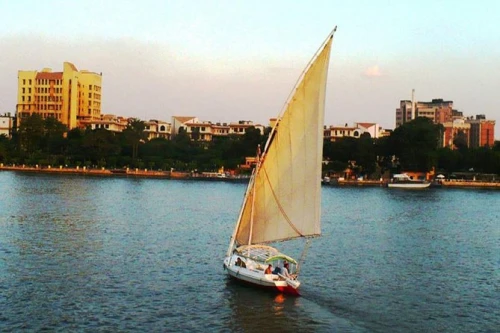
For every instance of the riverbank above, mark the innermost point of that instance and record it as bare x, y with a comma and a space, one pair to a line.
128, 172
470, 184
440, 184
362, 183
88, 171
145, 173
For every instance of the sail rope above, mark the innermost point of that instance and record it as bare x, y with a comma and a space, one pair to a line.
303, 255
282, 210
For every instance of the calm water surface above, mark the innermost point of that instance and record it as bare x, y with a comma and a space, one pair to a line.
124, 254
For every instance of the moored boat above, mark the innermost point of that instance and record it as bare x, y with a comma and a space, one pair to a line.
402, 180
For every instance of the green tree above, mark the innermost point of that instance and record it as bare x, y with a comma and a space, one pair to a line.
460, 141
365, 155
54, 132
135, 135
415, 144
31, 134
99, 145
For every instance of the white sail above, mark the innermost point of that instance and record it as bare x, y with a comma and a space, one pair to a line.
283, 199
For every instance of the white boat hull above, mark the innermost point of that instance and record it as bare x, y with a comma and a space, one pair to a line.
256, 277
409, 185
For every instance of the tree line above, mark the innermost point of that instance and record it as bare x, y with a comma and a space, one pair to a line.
414, 146
45, 142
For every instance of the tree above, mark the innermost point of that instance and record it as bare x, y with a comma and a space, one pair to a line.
54, 132
99, 145
31, 133
365, 155
134, 134
460, 140
415, 144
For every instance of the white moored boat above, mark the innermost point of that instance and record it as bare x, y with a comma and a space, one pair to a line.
404, 181
282, 200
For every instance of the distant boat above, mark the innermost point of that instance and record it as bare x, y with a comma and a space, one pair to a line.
402, 180
282, 200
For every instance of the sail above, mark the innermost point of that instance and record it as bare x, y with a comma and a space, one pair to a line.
284, 194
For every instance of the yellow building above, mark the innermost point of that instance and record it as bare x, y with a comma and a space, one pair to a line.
69, 96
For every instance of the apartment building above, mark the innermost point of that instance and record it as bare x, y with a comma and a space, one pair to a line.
335, 133
108, 122
482, 131
6, 124
438, 110
206, 130
69, 96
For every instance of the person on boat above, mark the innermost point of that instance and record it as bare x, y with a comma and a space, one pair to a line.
284, 270
240, 263
269, 269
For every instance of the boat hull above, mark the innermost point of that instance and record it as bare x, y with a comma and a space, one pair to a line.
409, 185
257, 278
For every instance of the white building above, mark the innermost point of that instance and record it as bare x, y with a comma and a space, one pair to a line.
6, 123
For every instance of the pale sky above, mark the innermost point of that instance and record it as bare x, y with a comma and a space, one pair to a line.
231, 60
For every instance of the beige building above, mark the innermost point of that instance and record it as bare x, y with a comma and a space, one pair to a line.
158, 129
108, 122
6, 123
438, 110
334, 133
154, 128
69, 96
206, 130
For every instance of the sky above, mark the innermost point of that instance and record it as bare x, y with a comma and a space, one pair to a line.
231, 60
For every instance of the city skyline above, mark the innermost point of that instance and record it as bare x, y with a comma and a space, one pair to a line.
230, 60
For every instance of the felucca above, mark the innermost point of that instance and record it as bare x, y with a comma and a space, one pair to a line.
283, 197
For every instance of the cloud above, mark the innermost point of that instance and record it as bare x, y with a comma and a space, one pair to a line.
373, 71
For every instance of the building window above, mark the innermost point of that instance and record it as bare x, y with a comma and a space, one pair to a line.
90, 95
24, 81
24, 90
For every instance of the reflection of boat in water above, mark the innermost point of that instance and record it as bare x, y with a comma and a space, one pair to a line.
254, 311
282, 200
402, 180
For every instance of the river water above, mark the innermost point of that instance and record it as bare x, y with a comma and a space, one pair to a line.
80, 253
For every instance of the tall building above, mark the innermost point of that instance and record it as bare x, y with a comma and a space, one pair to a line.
404, 112
438, 110
69, 96
452, 129
482, 131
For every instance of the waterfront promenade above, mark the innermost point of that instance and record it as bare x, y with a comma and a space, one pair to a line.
132, 172
453, 183
135, 172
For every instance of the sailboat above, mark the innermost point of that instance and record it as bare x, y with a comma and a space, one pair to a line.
283, 198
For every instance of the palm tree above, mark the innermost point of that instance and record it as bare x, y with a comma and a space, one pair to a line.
134, 133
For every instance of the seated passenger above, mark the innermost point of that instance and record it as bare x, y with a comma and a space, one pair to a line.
284, 271
240, 263
269, 269
276, 270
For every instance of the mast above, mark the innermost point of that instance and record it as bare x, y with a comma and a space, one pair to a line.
235, 231
253, 197
318, 51
274, 212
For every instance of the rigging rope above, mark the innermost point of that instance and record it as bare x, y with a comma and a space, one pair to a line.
303, 255
279, 205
